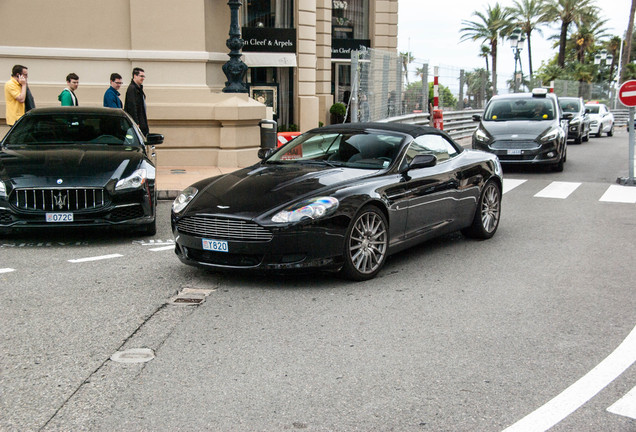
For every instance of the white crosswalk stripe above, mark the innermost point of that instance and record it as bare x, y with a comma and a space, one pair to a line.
625, 406
563, 190
560, 190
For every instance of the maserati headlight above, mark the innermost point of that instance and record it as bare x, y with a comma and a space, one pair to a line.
481, 136
550, 135
134, 181
184, 198
311, 209
3, 190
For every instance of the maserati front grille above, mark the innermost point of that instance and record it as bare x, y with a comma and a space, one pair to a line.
223, 228
60, 200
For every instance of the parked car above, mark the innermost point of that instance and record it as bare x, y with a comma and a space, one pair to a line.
601, 119
77, 167
341, 197
579, 124
524, 128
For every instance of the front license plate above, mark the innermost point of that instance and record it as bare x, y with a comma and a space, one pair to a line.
59, 217
514, 152
215, 245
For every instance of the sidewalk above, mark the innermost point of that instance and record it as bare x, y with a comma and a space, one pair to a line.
171, 180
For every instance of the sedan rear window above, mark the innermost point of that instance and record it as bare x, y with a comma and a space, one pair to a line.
67, 128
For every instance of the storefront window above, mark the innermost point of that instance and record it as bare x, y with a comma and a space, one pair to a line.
268, 13
350, 19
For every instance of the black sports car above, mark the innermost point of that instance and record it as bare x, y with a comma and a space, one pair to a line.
339, 197
77, 167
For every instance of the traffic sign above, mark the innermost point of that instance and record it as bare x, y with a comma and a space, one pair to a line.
627, 93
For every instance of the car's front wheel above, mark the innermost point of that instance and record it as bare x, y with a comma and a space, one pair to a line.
611, 131
366, 244
488, 212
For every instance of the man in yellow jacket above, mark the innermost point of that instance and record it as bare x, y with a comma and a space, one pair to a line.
15, 92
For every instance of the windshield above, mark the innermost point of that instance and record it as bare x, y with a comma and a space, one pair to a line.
570, 106
373, 150
520, 109
70, 128
593, 108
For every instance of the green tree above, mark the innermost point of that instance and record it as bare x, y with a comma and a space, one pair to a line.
567, 12
488, 26
485, 53
407, 59
528, 15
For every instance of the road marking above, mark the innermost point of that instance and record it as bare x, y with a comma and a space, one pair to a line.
97, 258
560, 190
620, 194
163, 248
510, 184
581, 391
6, 270
625, 406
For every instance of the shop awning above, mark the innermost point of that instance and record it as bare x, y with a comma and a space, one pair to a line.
257, 59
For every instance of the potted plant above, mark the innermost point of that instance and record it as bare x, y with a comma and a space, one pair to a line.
338, 112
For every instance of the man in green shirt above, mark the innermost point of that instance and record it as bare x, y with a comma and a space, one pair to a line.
67, 97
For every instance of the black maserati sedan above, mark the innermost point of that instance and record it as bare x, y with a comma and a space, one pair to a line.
341, 197
75, 166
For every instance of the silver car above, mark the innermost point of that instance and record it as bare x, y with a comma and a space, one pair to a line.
601, 119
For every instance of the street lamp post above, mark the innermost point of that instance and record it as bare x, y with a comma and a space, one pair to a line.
235, 69
602, 59
517, 39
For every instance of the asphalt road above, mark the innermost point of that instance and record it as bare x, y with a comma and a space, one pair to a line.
454, 335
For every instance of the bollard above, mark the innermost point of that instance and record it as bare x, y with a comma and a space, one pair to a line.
438, 119
268, 133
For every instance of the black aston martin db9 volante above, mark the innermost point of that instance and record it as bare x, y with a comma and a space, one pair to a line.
339, 197
77, 167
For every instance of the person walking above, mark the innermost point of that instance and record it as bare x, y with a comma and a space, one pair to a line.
67, 97
135, 104
15, 93
111, 97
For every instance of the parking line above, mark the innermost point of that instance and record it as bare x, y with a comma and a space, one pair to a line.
510, 184
6, 270
581, 391
163, 248
620, 194
97, 258
625, 406
560, 190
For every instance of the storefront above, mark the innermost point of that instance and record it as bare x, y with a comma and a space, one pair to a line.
270, 53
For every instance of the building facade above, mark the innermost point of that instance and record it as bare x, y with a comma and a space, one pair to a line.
297, 53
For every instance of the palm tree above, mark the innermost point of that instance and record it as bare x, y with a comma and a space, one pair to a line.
407, 58
485, 52
589, 30
528, 15
627, 49
566, 11
489, 27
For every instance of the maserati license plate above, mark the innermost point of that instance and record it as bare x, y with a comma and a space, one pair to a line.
215, 245
59, 217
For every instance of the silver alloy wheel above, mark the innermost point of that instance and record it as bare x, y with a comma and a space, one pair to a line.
368, 242
490, 208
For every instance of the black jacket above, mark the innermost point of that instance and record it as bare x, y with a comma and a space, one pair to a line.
135, 105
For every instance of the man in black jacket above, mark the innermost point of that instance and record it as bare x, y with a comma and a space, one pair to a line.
135, 104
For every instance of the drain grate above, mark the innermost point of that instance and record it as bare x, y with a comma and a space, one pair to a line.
188, 300
190, 297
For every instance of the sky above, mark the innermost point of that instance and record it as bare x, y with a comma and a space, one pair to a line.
430, 30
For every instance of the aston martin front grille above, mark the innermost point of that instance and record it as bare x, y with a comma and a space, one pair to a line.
223, 228
59, 199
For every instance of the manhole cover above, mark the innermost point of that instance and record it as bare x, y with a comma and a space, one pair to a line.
133, 355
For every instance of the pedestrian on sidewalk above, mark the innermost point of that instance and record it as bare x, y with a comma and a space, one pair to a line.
135, 104
67, 97
111, 97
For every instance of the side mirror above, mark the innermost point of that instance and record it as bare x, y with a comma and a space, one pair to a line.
587, 110
422, 161
568, 116
154, 139
264, 153
476, 117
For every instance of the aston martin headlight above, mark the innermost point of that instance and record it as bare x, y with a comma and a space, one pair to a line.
134, 181
481, 136
310, 209
3, 190
550, 135
184, 198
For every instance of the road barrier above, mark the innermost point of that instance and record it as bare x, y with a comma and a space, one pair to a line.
458, 124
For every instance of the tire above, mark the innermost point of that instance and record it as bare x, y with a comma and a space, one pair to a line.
487, 214
611, 131
366, 245
558, 167
586, 138
578, 139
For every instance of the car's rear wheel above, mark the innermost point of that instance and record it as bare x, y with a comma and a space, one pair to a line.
611, 131
488, 213
366, 244
586, 138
